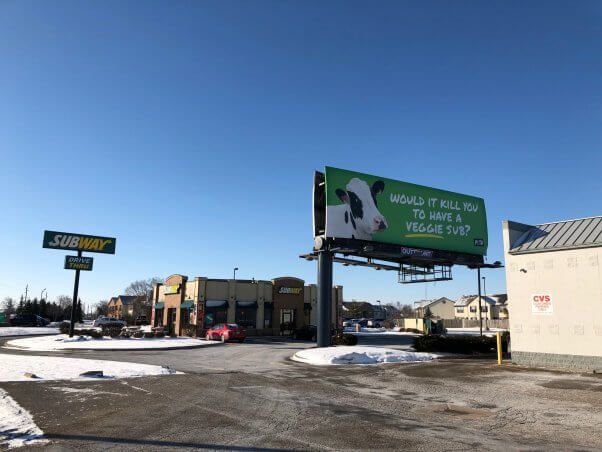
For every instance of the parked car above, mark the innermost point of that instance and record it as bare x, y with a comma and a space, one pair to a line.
28, 320
108, 321
375, 323
226, 332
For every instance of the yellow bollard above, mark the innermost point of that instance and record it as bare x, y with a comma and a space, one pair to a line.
499, 348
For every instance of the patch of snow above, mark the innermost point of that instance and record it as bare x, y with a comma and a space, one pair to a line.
17, 428
473, 331
13, 368
26, 330
359, 355
378, 332
64, 342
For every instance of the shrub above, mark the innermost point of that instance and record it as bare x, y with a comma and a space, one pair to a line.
113, 331
159, 334
344, 339
92, 332
64, 328
189, 330
466, 345
389, 324
149, 334
138, 334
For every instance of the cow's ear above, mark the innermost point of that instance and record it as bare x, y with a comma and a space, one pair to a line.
342, 194
377, 187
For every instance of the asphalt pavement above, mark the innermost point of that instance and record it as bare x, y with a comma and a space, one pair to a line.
251, 396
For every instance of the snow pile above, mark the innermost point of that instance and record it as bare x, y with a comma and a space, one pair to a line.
17, 428
26, 330
359, 355
378, 332
472, 331
64, 342
13, 368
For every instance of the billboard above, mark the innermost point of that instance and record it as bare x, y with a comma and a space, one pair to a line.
78, 242
78, 263
365, 207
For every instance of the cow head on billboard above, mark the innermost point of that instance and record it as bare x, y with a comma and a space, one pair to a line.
358, 217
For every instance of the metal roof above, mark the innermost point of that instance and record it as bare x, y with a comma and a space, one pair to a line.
581, 233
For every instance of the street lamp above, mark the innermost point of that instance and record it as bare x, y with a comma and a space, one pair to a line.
235, 268
42, 293
496, 264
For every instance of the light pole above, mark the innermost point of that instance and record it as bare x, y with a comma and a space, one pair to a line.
235, 268
41, 294
478, 266
484, 287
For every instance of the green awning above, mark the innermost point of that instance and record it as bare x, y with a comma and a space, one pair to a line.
186, 304
159, 305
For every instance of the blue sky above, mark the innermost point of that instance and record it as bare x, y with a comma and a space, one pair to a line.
190, 130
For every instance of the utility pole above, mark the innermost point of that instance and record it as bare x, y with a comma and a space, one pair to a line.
26, 289
480, 313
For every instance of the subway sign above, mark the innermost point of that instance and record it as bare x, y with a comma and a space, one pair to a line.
290, 290
78, 263
79, 242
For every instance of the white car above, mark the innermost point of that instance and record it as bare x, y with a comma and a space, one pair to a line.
109, 321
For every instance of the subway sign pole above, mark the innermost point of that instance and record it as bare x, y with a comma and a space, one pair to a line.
78, 242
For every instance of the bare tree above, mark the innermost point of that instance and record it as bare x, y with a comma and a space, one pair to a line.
407, 311
8, 306
142, 290
102, 308
142, 287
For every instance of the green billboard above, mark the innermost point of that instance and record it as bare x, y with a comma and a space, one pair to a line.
364, 207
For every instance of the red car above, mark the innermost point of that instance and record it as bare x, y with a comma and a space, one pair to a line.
226, 332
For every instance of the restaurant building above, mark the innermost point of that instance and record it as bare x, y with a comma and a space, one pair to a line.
264, 308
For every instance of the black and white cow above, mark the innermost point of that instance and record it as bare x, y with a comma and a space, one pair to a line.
358, 218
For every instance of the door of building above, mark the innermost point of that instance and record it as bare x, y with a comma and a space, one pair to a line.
171, 321
287, 322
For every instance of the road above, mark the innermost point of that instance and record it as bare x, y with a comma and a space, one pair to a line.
252, 397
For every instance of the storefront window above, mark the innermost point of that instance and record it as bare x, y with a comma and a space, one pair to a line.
246, 314
158, 317
216, 311
185, 316
267, 315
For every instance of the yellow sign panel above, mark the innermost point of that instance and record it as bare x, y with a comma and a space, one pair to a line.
174, 288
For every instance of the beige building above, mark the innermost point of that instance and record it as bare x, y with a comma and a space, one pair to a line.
441, 308
554, 284
493, 307
262, 307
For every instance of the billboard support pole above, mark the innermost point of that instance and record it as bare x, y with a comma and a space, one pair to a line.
74, 304
324, 297
480, 309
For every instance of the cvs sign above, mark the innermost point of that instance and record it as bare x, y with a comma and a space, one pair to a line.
541, 303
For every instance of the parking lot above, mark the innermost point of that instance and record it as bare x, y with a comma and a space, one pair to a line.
252, 397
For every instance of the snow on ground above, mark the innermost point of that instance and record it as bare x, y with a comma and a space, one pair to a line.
64, 342
359, 355
377, 332
26, 330
13, 368
473, 331
17, 427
